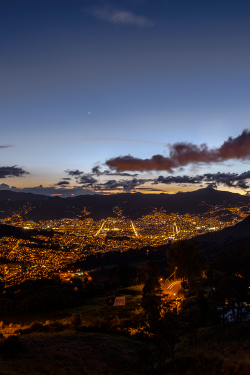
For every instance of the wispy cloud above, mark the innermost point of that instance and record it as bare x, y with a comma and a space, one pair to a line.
62, 183
6, 146
97, 170
122, 17
108, 139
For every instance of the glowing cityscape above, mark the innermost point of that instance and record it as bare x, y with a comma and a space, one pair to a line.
74, 239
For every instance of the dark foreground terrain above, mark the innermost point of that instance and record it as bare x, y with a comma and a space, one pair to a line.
101, 348
69, 353
215, 352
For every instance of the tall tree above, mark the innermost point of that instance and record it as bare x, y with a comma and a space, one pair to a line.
161, 324
231, 281
185, 257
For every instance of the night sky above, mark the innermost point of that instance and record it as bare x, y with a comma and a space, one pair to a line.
126, 95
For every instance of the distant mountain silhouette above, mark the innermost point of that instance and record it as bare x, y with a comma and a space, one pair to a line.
16, 196
101, 206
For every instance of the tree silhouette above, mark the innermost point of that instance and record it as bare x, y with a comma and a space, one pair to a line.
161, 323
189, 263
231, 279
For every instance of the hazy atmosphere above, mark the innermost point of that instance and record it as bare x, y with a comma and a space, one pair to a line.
124, 96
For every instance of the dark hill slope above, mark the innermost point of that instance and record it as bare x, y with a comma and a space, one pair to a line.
11, 202
16, 196
132, 205
135, 205
239, 230
230, 237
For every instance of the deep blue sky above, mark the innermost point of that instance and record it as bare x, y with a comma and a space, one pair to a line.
81, 81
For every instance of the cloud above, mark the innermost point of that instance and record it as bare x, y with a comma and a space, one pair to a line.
13, 171
182, 154
229, 179
242, 185
123, 185
121, 17
211, 179
178, 180
50, 190
211, 186
87, 179
96, 170
6, 146
226, 179
74, 172
120, 140
4, 187
87, 184
62, 183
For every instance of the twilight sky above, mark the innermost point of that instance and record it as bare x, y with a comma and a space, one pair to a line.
107, 96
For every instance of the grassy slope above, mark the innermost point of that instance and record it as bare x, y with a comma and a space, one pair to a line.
216, 352
69, 353
93, 309
74, 354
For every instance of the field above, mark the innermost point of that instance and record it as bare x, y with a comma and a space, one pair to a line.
92, 310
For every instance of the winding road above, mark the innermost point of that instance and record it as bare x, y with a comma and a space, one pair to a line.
171, 287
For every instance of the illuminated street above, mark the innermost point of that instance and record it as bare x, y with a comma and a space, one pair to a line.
171, 287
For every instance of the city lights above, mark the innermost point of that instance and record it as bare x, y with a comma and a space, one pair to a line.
74, 239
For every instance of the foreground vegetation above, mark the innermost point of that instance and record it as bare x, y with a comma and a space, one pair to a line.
69, 353
214, 351
205, 330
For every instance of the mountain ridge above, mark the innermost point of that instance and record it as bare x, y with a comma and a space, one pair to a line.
133, 205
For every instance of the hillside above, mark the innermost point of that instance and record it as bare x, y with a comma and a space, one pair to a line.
132, 205
236, 235
95, 352
16, 196
215, 352
74, 354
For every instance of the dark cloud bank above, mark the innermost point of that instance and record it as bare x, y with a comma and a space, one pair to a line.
209, 179
87, 184
13, 171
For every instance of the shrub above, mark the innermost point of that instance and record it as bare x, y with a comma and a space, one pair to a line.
76, 321
57, 327
37, 327
115, 323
